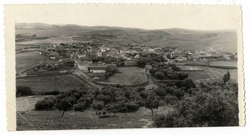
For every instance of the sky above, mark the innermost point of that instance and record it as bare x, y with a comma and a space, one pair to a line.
136, 16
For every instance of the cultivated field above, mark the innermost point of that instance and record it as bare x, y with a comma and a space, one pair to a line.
52, 120
223, 64
128, 76
212, 74
199, 74
24, 46
27, 60
27, 103
51, 83
52, 40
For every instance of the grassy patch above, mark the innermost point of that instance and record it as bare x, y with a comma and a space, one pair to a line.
52, 120
199, 74
27, 60
27, 103
212, 74
223, 64
128, 76
217, 73
51, 83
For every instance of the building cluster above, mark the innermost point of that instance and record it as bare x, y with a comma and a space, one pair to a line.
176, 55
85, 54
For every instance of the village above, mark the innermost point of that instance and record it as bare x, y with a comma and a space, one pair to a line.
99, 61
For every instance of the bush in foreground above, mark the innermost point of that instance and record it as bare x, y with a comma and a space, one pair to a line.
205, 107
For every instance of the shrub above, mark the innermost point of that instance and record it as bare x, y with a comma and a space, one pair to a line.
171, 99
23, 91
160, 92
175, 68
86, 100
131, 107
43, 105
55, 92
98, 105
79, 107
166, 120
51, 100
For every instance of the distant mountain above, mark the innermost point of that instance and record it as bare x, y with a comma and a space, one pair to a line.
175, 37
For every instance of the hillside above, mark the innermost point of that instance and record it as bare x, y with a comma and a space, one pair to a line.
174, 37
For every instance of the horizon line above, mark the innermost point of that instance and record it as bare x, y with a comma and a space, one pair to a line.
64, 24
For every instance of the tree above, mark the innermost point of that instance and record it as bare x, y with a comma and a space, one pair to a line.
98, 105
79, 107
175, 68
142, 62
43, 105
179, 93
160, 92
152, 102
216, 107
63, 104
159, 75
228, 75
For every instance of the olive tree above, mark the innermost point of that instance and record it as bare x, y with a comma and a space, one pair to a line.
152, 101
63, 104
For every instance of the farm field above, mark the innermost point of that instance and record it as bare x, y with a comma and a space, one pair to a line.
199, 74
128, 76
27, 60
223, 64
212, 74
23, 46
51, 83
52, 120
27, 103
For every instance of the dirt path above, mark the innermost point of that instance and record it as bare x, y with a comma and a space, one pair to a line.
148, 124
151, 83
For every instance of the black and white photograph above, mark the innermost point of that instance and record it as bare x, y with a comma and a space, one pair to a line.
168, 66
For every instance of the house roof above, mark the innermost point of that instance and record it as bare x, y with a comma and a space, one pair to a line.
97, 66
181, 57
84, 62
51, 48
96, 74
